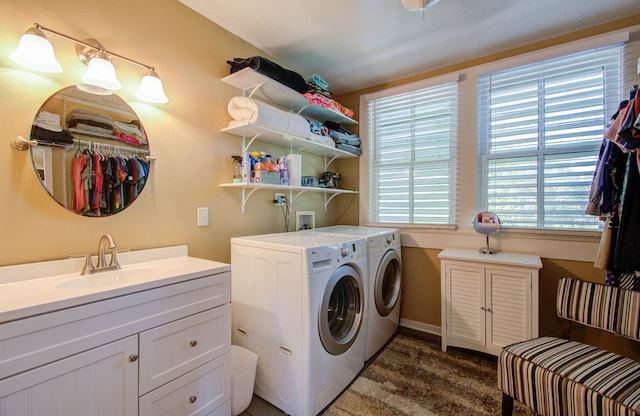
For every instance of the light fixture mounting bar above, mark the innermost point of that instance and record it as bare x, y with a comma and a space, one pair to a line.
88, 45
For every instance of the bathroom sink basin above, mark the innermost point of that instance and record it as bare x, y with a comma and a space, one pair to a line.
113, 278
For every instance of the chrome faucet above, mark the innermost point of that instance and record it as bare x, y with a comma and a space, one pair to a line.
106, 242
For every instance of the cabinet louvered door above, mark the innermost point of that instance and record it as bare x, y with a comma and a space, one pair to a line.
508, 307
100, 382
465, 297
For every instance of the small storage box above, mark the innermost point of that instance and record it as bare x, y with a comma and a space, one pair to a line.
263, 176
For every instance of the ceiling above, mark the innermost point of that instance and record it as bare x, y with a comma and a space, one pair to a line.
354, 44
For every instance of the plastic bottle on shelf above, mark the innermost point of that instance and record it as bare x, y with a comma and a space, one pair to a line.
284, 172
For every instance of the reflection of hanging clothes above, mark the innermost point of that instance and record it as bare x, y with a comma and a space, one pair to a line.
78, 165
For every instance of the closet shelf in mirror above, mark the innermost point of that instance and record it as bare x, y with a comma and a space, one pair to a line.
255, 132
255, 84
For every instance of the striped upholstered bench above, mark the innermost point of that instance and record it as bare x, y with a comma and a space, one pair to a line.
558, 377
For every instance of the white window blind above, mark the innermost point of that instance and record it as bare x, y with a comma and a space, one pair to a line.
540, 127
412, 163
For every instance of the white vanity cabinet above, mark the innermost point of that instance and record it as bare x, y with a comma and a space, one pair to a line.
158, 351
488, 300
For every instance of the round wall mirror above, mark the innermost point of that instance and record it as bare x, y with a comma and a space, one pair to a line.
92, 152
487, 223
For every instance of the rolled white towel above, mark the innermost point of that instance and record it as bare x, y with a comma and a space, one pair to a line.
245, 109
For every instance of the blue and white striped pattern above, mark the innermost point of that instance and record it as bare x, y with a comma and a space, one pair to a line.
558, 377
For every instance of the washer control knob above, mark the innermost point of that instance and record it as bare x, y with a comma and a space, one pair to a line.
344, 250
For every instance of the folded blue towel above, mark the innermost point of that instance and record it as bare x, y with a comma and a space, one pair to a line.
317, 79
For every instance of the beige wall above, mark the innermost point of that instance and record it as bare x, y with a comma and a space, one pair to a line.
193, 156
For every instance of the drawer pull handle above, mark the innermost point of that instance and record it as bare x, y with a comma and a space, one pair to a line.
133, 358
285, 350
192, 399
193, 342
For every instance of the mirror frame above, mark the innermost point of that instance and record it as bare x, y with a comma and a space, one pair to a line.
76, 130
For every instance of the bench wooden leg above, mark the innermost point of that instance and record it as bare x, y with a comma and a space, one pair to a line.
507, 405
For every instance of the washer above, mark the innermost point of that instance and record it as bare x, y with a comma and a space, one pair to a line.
385, 281
298, 302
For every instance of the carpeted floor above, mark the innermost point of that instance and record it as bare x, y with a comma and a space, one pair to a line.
411, 376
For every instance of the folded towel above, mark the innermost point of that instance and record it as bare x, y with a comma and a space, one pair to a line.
266, 67
248, 110
322, 139
317, 79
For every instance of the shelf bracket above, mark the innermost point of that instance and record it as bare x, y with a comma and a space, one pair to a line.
327, 164
296, 197
299, 112
251, 140
326, 201
255, 88
245, 197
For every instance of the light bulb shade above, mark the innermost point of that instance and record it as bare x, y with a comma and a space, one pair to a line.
151, 89
101, 73
417, 5
35, 52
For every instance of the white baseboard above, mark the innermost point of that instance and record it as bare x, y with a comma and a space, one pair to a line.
420, 326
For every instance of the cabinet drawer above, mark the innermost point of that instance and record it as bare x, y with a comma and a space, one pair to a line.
199, 392
170, 350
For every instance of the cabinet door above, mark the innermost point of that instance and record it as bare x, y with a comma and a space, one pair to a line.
99, 382
508, 307
465, 305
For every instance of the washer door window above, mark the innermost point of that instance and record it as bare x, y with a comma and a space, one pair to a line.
387, 284
340, 315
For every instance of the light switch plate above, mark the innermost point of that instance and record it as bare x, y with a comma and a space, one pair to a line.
203, 216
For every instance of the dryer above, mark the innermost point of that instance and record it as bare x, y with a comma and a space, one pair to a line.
385, 281
298, 303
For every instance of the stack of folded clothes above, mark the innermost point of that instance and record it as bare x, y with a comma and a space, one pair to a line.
47, 129
314, 88
320, 133
344, 138
90, 122
128, 133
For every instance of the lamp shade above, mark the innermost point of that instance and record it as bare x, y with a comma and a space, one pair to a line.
35, 52
101, 73
151, 89
417, 5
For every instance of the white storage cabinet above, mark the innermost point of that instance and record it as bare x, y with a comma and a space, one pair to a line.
163, 351
488, 300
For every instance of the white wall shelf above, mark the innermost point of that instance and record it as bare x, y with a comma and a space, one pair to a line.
254, 83
249, 189
296, 144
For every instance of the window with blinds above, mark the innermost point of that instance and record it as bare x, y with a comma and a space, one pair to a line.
412, 164
540, 127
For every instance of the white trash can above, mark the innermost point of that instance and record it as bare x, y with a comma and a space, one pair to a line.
243, 375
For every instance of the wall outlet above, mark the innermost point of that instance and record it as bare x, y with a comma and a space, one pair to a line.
279, 198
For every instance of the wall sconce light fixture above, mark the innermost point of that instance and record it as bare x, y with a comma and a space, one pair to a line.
35, 52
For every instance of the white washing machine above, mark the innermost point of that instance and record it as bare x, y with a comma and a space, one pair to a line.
385, 281
298, 302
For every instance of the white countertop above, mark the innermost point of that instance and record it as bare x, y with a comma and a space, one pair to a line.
501, 257
37, 288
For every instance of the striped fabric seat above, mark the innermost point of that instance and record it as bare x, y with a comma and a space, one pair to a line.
556, 377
